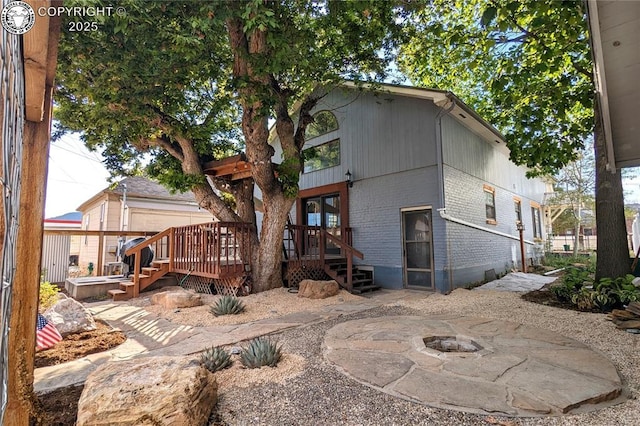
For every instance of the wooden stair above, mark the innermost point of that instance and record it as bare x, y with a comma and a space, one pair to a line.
362, 280
149, 275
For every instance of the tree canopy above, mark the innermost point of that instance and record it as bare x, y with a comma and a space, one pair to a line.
523, 65
172, 85
526, 66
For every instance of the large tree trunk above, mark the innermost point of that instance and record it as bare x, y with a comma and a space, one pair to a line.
613, 249
267, 268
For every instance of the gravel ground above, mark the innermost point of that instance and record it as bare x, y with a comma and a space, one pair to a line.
306, 390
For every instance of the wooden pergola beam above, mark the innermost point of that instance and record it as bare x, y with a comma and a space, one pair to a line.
35, 53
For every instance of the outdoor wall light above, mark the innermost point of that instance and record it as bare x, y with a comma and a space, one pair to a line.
348, 180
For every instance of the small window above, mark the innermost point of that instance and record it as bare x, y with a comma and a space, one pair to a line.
490, 204
517, 204
322, 156
323, 122
537, 223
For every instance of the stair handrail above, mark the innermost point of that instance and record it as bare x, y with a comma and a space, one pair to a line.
137, 249
349, 253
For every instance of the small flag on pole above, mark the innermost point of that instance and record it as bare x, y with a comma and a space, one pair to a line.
46, 334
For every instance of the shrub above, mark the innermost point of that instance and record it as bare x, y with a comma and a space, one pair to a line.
260, 352
214, 359
227, 305
48, 295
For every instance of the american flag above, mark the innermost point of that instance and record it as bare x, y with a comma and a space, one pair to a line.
46, 334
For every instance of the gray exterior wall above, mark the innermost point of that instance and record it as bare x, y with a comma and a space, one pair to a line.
375, 213
389, 143
379, 135
469, 164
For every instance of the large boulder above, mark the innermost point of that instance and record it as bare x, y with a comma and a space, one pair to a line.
177, 298
313, 289
155, 391
69, 316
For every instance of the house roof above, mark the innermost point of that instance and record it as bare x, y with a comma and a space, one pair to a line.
443, 99
71, 217
615, 41
140, 187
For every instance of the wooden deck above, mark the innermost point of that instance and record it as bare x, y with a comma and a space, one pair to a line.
216, 250
219, 253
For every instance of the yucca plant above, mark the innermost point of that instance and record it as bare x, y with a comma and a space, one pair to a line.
214, 359
259, 353
227, 305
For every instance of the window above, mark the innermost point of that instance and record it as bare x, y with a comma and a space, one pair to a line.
535, 219
322, 156
323, 122
490, 204
517, 204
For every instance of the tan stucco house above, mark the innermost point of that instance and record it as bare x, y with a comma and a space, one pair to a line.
133, 204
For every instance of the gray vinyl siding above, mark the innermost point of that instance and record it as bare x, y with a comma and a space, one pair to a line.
464, 150
379, 135
469, 164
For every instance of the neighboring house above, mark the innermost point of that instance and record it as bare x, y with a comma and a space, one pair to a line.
134, 204
59, 251
424, 183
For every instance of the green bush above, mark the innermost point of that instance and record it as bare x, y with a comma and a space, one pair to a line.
555, 261
48, 295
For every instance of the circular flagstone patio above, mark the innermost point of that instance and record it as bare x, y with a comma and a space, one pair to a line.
474, 364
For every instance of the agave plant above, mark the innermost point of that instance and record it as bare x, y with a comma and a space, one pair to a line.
227, 305
259, 353
214, 359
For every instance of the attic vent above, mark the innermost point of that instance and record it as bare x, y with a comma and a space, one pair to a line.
462, 115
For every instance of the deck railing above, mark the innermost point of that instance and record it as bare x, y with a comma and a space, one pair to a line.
210, 250
306, 246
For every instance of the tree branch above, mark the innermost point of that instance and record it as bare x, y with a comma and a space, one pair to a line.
164, 142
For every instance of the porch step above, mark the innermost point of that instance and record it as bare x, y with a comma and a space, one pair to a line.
118, 295
125, 292
362, 280
365, 288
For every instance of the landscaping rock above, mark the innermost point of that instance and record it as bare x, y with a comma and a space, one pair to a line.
318, 289
177, 299
159, 390
69, 316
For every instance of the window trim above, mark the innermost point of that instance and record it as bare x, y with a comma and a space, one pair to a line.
325, 133
336, 140
537, 230
518, 202
487, 189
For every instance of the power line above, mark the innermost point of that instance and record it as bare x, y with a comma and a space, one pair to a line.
78, 154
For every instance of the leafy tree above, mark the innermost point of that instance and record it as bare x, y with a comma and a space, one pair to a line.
574, 190
176, 84
526, 66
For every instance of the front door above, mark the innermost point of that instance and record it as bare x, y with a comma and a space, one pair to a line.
324, 211
417, 248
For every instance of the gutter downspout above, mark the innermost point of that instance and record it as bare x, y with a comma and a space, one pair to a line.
445, 216
441, 194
